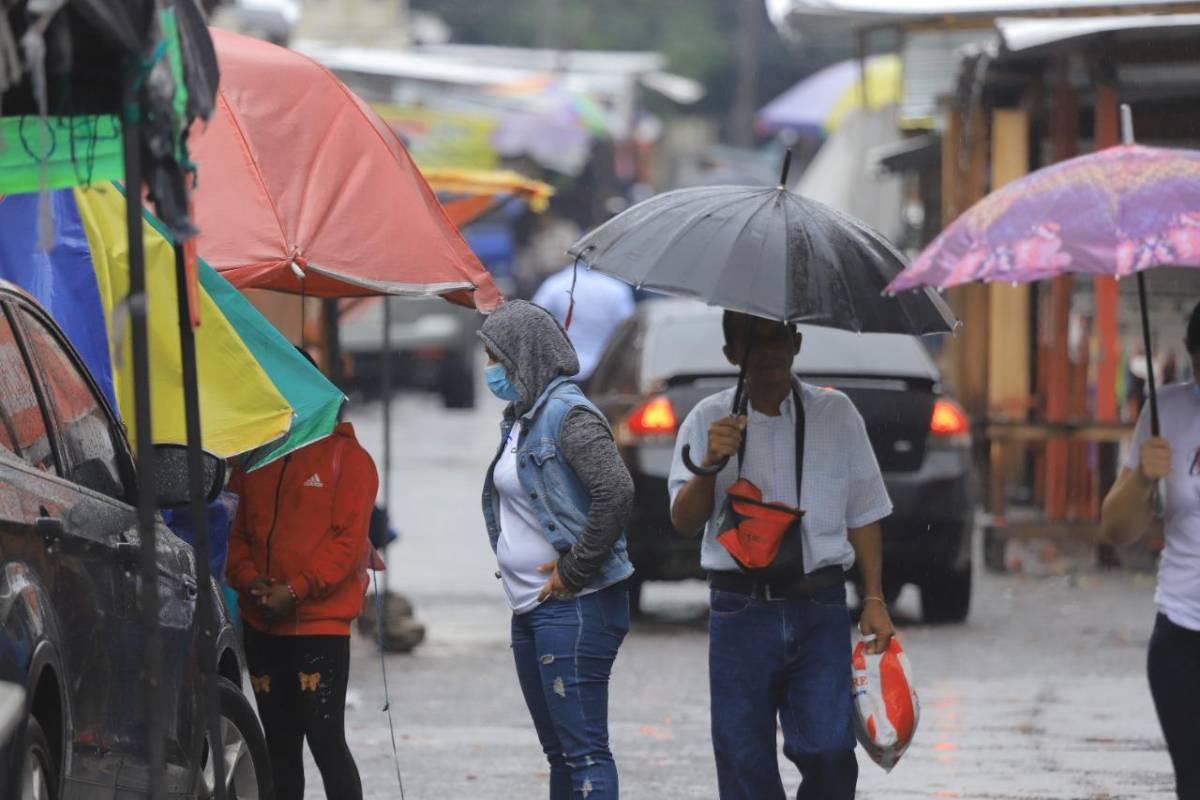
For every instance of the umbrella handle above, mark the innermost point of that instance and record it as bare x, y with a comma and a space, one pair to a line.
696, 469
741, 397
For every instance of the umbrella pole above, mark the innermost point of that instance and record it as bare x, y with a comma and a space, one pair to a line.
1151, 390
147, 496
1143, 306
385, 389
206, 617
741, 399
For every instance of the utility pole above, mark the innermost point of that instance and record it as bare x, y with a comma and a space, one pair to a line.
548, 27
741, 121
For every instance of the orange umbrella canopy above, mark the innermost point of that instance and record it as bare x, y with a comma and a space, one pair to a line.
302, 188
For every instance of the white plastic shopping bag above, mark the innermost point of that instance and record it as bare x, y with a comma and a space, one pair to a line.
886, 708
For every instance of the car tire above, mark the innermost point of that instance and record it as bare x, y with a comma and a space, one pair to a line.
39, 775
946, 596
247, 763
635, 597
456, 382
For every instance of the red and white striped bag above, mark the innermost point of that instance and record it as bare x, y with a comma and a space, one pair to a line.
886, 707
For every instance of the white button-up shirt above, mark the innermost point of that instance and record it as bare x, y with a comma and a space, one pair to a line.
843, 487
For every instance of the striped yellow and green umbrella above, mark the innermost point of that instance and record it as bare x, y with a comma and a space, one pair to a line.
259, 398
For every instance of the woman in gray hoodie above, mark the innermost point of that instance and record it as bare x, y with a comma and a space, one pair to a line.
556, 499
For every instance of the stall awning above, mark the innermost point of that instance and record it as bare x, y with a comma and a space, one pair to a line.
914, 153
799, 17
1024, 33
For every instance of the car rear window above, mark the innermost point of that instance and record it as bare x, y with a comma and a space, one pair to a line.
693, 344
22, 427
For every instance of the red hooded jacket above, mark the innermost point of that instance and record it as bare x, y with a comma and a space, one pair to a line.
302, 521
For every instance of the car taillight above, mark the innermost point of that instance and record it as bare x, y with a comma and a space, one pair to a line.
948, 419
653, 418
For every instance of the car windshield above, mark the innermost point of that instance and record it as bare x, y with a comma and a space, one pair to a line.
693, 345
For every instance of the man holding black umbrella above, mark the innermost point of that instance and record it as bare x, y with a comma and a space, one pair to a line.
779, 530
779, 638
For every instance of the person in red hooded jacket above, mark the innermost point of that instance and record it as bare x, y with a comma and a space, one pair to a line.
298, 554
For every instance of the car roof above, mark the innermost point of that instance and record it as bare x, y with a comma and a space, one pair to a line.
10, 288
826, 351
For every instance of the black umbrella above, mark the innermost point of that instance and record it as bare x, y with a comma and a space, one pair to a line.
767, 252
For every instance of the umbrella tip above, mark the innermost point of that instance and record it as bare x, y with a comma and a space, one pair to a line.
787, 165
1126, 124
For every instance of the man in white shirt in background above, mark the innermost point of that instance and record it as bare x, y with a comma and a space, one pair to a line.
602, 303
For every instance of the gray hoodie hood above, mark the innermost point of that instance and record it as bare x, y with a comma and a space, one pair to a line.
532, 346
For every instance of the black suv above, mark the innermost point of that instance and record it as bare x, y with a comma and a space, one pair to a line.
71, 632
668, 357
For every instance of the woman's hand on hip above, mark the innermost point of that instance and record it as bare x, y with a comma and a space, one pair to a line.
554, 587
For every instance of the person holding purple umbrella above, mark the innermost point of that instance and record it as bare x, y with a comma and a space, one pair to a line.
1127, 514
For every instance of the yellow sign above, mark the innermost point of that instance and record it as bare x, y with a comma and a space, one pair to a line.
447, 139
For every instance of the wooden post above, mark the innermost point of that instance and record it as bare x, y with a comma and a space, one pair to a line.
1064, 135
1008, 316
1108, 133
964, 167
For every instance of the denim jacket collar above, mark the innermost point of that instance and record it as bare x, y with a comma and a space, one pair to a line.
545, 395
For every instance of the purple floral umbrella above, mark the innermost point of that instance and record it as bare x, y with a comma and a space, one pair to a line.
1115, 213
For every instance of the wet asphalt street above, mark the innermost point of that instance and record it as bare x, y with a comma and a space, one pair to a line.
1041, 694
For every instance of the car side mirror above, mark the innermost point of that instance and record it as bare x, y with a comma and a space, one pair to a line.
171, 476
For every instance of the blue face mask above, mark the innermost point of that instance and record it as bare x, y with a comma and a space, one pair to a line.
497, 381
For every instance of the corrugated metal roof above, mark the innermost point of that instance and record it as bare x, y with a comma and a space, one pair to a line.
1023, 33
540, 60
799, 16
931, 68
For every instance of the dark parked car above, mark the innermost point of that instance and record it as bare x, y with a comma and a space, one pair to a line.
668, 357
71, 631
433, 348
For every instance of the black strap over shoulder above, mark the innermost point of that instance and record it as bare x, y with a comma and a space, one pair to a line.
798, 402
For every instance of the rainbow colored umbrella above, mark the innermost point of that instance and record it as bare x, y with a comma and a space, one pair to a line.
258, 396
817, 105
550, 96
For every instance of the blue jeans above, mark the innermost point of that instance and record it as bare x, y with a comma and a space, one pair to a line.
788, 659
564, 651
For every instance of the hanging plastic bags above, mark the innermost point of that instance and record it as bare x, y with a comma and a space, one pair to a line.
886, 707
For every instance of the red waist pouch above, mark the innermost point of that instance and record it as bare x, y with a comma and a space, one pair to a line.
755, 532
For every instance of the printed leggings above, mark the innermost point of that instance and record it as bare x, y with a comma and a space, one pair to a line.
300, 685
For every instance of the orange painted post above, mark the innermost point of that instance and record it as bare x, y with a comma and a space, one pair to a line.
1107, 134
1064, 134
1107, 125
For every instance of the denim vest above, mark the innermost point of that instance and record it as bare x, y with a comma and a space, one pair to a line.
560, 500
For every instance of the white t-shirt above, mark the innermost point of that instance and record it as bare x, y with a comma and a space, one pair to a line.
1178, 593
522, 547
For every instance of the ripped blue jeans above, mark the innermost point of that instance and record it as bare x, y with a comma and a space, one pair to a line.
564, 652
